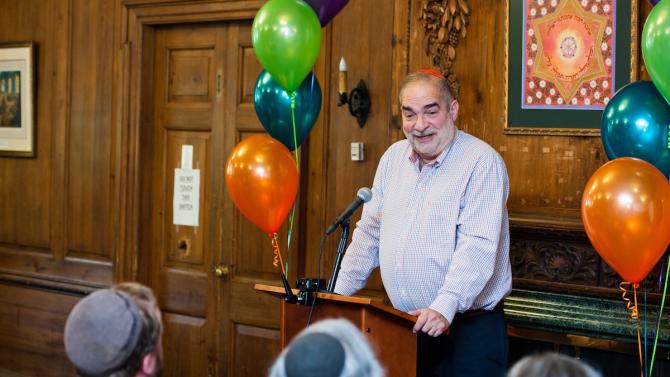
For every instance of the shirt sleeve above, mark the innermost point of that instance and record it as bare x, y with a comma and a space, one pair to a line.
478, 234
362, 255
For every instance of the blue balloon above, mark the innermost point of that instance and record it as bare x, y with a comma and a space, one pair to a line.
636, 123
273, 107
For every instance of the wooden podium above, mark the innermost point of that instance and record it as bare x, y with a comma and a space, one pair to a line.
387, 329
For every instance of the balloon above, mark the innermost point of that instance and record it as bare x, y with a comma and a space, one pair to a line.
262, 181
626, 214
286, 35
326, 9
635, 124
655, 47
273, 107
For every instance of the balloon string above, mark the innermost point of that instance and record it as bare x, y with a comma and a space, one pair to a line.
277, 262
634, 315
645, 334
290, 233
629, 306
639, 342
658, 319
296, 154
295, 132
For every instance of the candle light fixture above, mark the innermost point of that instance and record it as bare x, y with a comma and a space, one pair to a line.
359, 98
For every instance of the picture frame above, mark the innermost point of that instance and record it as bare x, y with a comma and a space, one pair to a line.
564, 60
17, 128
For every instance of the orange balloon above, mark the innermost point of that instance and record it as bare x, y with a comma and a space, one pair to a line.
262, 181
626, 214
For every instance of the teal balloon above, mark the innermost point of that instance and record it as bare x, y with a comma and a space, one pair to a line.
273, 107
286, 36
656, 47
635, 123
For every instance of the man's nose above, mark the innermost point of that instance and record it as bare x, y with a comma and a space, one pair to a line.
420, 124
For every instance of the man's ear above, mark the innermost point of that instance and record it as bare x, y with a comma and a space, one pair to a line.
453, 110
149, 364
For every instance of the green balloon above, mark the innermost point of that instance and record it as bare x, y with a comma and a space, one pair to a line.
655, 47
286, 35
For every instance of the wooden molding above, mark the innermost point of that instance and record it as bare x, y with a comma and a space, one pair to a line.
444, 23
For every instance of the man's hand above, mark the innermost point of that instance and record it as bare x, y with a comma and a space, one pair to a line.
430, 322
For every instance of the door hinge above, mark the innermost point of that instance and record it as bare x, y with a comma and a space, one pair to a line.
219, 83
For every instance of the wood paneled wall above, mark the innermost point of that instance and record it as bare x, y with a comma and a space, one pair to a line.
69, 217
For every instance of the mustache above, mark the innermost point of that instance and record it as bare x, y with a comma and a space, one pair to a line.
420, 134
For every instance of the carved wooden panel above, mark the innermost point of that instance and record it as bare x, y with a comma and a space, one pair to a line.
183, 346
90, 132
190, 75
255, 349
185, 246
31, 331
542, 257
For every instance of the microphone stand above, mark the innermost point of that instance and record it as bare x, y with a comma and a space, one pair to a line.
290, 297
338, 256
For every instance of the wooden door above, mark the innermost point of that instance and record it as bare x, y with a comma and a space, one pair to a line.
187, 111
202, 96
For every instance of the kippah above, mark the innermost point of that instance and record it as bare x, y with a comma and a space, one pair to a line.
314, 355
432, 72
102, 331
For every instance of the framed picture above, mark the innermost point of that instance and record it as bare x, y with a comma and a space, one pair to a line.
16, 100
565, 60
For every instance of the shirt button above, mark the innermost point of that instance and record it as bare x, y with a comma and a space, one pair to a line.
404, 292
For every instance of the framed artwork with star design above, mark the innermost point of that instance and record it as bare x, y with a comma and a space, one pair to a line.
565, 60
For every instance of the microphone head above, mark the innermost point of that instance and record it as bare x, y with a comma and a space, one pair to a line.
364, 194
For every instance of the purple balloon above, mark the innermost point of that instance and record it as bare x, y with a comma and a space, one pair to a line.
326, 9
654, 2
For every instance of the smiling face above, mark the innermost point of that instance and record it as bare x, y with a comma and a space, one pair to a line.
427, 117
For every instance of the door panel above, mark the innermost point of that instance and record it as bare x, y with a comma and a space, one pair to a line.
187, 111
215, 323
252, 319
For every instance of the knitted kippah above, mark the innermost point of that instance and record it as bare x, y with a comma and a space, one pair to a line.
314, 355
102, 331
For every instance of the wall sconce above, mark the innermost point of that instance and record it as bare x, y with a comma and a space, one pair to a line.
358, 99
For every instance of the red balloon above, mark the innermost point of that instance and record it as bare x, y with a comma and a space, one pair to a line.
262, 181
626, 214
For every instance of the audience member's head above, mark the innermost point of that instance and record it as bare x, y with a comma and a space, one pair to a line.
115, 332
551, 364
329, 348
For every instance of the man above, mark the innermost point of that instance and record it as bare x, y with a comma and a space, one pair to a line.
437, 226
115, 332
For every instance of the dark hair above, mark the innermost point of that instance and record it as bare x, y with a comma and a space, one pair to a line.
149, 335
151, 329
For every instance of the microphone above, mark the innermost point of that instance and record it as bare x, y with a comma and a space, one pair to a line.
362, 196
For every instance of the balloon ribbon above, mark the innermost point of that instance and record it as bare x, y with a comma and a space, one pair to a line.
634, 315
296, 154
658, 319
277, 262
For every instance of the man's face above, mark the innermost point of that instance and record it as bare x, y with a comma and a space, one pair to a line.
427, 121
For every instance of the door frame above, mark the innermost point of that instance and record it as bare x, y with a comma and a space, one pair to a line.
135, 26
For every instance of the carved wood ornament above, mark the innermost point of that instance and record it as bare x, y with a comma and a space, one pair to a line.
444, 23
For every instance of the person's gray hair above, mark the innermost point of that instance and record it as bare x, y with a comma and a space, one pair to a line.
359, 358
441, 83
551, 364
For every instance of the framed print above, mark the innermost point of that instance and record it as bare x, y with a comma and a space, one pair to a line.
16, 100
565, 60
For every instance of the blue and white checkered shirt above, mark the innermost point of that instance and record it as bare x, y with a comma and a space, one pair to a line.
440, 232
